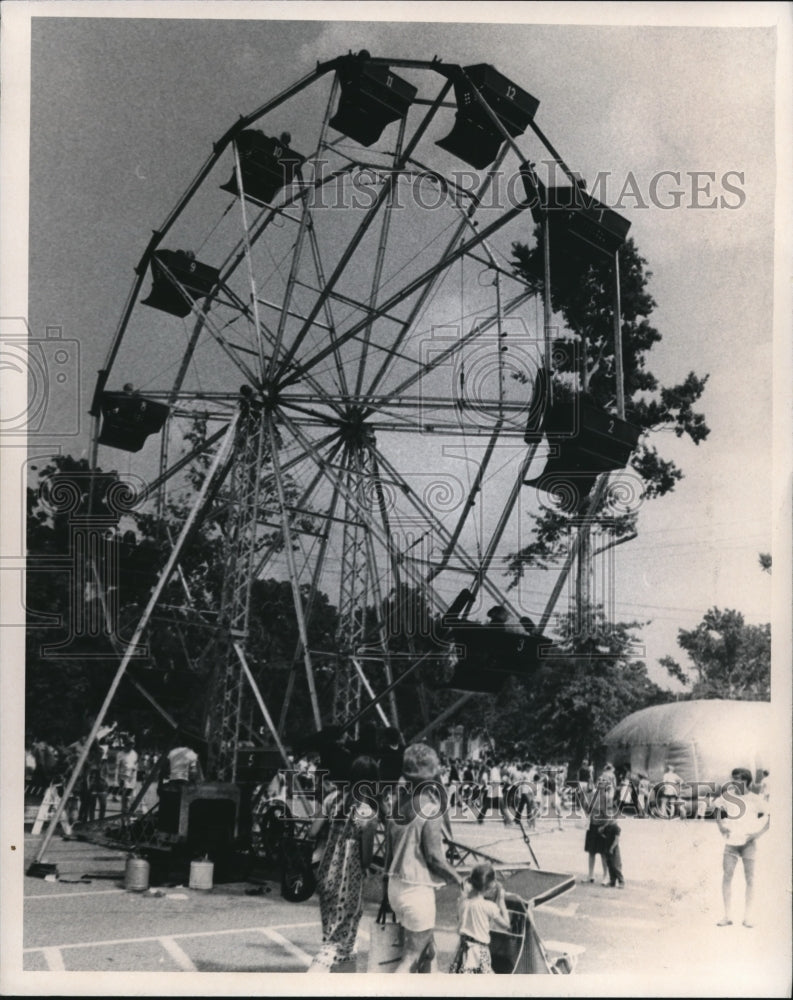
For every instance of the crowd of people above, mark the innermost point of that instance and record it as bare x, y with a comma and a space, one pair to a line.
358, 786
112, 772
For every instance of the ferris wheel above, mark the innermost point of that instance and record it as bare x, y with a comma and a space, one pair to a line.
330, 320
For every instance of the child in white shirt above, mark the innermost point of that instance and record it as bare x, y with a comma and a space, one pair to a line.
481, 907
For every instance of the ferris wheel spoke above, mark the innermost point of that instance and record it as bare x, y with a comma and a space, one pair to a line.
377, 273
334, 476
412, 286
444, 356
360, 232
425, 293
330, 323
435, 523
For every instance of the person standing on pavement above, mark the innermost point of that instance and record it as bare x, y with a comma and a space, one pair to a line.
550, 794
607, 786
127, 773
610, 836
742, 817
594, 845
486, 790
350, 817
182, 766
643, 788
481, 906
669, 792
416, 862
523, 798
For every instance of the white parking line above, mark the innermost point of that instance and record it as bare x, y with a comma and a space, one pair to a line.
181, 958
560, 911
287, 945
71, 895
54, 959
187, 934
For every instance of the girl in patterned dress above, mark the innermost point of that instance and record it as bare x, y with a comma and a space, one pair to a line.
481, 907
350, 817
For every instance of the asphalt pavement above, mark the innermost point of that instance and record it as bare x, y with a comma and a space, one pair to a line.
661, 927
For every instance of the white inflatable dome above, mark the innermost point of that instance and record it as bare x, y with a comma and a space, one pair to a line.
702, 740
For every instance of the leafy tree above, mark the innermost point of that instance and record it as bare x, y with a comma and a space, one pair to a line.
730, 658
765, 562
582, 292
64, 694
588, 683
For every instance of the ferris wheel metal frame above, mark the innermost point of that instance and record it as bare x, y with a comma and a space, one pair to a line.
333, 432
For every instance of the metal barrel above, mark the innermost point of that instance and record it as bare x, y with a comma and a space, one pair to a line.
201, 874
136, 875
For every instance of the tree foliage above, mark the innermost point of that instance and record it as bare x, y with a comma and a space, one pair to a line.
65, 686
590, 680
730, 658
582, 293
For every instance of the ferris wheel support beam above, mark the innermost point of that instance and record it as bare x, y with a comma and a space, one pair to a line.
316, 577
370, 691
190, 523
297, 597
394, 563
447, 713
379, 608
261, 703
354, 585
366, 222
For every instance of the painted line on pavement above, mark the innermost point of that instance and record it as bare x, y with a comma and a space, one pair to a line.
559, 911
179, 956
54, 959
287, 945
186, 934
71, 895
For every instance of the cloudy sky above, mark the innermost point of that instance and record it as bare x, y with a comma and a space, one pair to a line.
678, 120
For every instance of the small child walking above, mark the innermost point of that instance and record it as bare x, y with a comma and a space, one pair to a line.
481, 906
610, 835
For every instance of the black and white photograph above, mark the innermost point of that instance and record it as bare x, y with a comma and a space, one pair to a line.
396, 437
